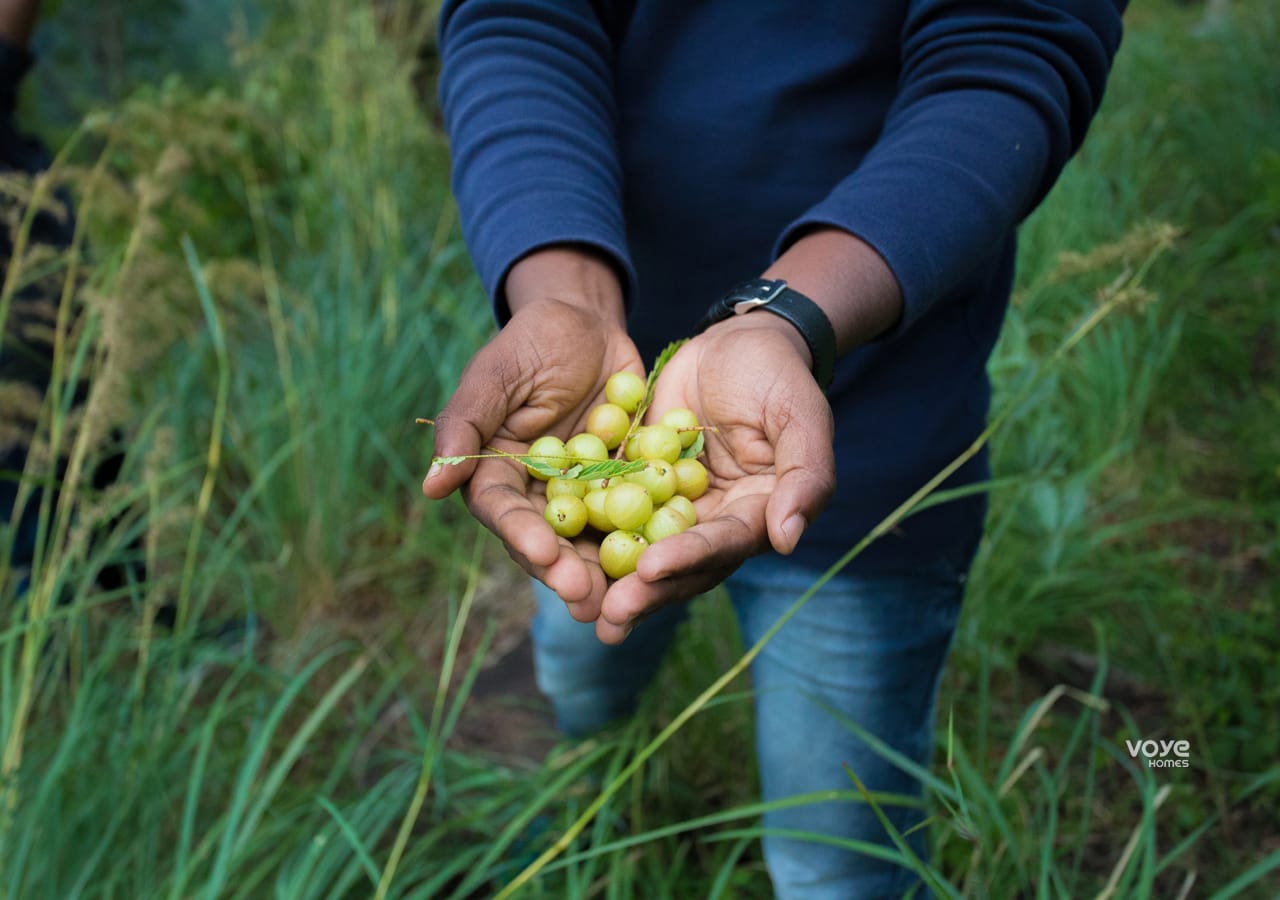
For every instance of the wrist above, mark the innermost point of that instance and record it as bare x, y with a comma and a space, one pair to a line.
578, 276
847, 279
803, 318
762, 324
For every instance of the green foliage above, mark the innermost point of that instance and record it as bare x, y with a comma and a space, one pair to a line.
1145, 502
340, 288
277, 288
692, 451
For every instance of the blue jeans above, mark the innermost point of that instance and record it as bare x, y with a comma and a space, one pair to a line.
870, 646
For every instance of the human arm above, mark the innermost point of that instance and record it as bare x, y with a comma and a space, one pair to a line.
541, 374
992, 100
527, 94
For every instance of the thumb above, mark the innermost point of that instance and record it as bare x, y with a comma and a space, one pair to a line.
802, 434
491, 387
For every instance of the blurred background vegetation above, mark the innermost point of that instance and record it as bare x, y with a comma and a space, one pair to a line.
273, 287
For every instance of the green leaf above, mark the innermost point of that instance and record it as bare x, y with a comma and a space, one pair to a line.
449, 460
659, 364
695, 448
609, 469
541, 466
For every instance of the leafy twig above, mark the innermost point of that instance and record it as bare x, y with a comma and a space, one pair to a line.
692, 451
658, 365
571, 468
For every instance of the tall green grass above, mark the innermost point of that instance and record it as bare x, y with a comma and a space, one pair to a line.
266, 318
274, 288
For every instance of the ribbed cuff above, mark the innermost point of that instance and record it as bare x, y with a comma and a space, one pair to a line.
528, 221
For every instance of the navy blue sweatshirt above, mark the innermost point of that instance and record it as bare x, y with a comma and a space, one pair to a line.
692, 140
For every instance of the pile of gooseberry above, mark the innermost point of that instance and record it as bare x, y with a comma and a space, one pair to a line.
651, 494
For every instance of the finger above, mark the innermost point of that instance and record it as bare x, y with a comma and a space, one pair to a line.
576, 579
490, 388
582, 595
734, 532
588, 608
497, 496
631, 599
802, 435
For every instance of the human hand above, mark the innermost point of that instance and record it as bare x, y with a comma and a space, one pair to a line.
541, 374
770, 460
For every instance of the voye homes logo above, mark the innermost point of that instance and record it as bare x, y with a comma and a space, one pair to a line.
1161, 754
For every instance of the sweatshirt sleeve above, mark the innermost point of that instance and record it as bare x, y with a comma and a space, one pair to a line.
528, 99
993, 100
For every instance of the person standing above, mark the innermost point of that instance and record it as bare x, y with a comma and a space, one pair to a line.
824, 196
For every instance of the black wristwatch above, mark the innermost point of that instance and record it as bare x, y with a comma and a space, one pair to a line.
795, 307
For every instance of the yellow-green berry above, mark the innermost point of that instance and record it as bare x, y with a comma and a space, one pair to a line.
566, 515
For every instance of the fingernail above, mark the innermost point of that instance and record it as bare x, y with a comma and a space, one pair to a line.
435, 470
794, 528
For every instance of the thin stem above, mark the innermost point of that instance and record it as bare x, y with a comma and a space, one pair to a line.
432, 751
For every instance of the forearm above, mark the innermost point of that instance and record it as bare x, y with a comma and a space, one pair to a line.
848, 279
993, 100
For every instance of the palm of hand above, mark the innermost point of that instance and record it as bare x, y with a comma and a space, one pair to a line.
739, 457
770, 464
564, 376
540, 375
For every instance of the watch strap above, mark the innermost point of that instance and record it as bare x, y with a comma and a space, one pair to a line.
777, 297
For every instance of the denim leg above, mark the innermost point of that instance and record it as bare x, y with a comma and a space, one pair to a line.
591, 684
871, 647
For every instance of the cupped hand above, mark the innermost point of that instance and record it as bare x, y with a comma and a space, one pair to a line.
541, 374
770, 461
